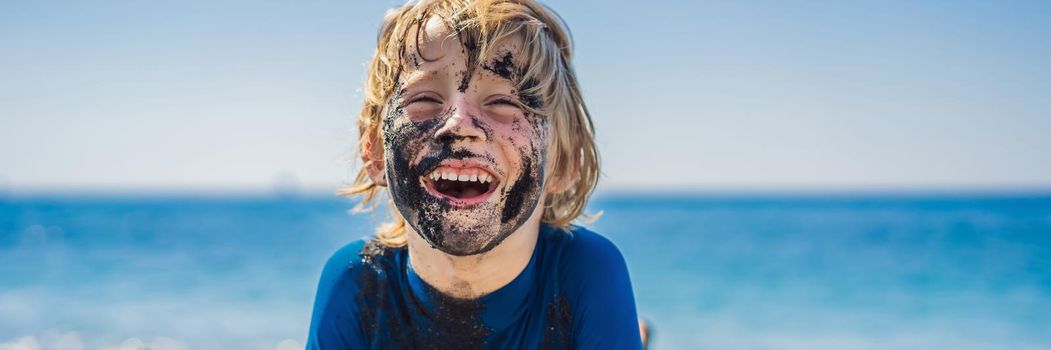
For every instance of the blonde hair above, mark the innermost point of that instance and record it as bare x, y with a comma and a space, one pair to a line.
547, 73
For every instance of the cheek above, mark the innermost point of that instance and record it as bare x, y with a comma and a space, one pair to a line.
406, 140
533, 133
524, 141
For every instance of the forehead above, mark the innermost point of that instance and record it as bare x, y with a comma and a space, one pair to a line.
434, 45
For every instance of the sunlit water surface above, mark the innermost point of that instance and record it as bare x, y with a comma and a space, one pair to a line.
710, 272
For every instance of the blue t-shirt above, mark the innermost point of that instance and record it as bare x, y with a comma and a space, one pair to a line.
574, 294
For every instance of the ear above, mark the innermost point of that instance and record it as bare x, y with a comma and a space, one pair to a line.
372, 156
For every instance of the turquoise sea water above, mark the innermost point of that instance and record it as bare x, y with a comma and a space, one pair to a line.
710, 272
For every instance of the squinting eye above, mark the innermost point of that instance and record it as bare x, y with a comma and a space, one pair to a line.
506, 102
425, 99
423, 106
504, 110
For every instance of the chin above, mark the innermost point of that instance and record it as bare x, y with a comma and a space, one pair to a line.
463, 239
465, 207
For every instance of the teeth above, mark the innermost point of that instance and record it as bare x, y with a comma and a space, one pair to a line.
452, 176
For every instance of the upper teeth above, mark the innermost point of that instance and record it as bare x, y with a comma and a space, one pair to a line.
452, 175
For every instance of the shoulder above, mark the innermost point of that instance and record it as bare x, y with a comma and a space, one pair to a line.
360, 267
353, 274
595, 282
363, 258
582, 259
346, 258
338, 277
581, 248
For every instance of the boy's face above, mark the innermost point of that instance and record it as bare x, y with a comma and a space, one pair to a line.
464, 162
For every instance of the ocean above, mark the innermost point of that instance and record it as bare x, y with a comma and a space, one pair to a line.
750, 271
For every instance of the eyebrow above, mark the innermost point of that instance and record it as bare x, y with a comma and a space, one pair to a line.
419, 75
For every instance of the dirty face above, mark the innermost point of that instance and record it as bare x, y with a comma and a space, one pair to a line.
464, 160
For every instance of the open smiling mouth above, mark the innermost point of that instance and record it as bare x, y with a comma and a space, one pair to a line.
461, 186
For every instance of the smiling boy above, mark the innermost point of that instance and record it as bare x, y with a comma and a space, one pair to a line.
474, 125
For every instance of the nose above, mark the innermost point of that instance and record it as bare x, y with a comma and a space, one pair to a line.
461, 125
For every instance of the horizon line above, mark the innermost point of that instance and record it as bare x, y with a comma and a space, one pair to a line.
654, 191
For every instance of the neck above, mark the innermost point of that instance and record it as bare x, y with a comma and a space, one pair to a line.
472, 276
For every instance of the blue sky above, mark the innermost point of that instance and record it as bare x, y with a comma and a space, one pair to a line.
759, 95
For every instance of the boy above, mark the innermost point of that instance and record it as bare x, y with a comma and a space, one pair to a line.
474, 122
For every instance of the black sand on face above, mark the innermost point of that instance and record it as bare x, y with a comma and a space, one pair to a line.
504, 67
433, 217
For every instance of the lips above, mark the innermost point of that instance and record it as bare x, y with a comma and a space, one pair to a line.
462, 183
